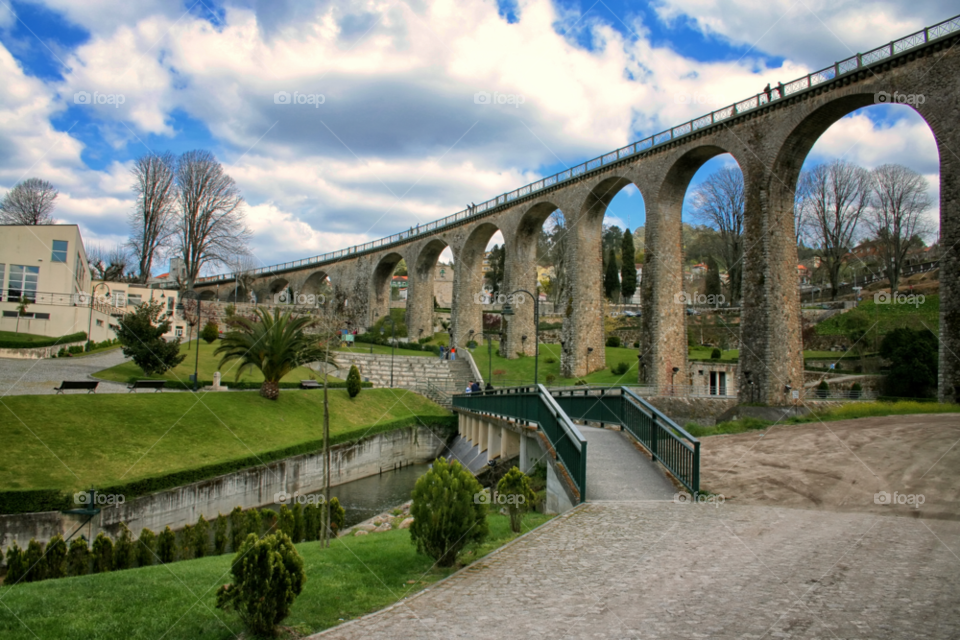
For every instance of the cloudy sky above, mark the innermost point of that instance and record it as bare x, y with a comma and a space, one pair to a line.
344, 122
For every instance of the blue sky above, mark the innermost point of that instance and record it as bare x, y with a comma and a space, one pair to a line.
399, 138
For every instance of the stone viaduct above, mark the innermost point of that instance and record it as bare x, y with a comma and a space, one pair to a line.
769, 135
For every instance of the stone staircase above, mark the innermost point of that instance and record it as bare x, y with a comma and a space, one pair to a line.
432, 377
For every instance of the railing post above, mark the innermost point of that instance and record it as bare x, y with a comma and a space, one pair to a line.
653, 435
695, 480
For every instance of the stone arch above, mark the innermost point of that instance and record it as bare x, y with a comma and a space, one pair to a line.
467, 312
380, 283
316, 285
420, 294
208, 294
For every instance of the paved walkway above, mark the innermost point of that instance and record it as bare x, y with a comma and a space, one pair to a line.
665, 570
616, 470
35, 377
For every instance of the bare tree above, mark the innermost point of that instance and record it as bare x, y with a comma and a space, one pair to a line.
29, 202
210, 224
718, 202
900, 198
834, 197
153, 220
109, 264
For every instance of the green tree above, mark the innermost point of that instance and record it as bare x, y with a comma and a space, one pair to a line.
297, 523
254, 523
712, 285
611, 279
146, 547
238, 528
220, 534
201, 533
56, 557
447, 514
210, 332
628, 270
22, 305
913, 362
167, 546
124, 551
286, 521
311, 522
78, 558
497, 259
515, 491
337, 517
354, 383
102, 554
276, 345
34, 562
16, 567
268, 576
141, 336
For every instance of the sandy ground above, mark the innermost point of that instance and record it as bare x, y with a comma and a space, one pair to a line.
842, 466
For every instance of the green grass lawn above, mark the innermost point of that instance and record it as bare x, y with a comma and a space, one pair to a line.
520, 370
128, 371
883, 318
25, 337
78, 441
355, 576
361, 347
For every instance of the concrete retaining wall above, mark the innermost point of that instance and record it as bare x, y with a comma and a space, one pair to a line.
254, 487
38, 352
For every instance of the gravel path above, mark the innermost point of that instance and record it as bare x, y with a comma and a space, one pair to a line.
665, 570
37, 377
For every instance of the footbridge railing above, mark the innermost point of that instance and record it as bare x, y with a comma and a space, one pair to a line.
666, 441
534, 404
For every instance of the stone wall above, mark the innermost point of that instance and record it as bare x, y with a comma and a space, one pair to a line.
39, 352
703, 411
409, 372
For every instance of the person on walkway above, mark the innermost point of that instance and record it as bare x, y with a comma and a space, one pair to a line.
475, 387
443, 351
453, 353
469, 387
488, 387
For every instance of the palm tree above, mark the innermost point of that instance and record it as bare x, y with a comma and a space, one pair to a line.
275, 344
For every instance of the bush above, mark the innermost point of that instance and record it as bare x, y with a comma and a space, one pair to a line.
620, 368
254, 523
201, 533
338, 517
471, 344
186, 542
856, 390
124, 553
297, 511
34, 563
581, 383
285, 521
636, 345
446, 514
311, 522
268, 575
550, 360
56, 557
210, 332
550, 378
353, 382
15, 565
220, 535
913, 360
613, 341
167, 546
146, 547
141, 334
238, 526
102, 554
78, 558
823, 389
715, 354
515, 490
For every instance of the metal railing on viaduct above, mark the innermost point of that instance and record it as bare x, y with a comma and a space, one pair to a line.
554, 413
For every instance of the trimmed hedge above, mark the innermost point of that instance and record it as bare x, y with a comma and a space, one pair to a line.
48, 342
55, 500
186, 385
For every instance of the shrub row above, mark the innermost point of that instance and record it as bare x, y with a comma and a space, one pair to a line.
186, 385
53, 500
301, 523
46, 342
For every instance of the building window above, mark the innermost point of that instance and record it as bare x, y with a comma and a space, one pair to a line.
134, 300
59, 251
99, 323
170, 302
9, 314
23, 283
179, 332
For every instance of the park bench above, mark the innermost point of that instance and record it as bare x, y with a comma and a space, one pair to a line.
89, 385
156, 385
310, 384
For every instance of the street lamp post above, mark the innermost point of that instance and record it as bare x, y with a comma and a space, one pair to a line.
93, 299
673, 385
508, 311
196, 363
393, 343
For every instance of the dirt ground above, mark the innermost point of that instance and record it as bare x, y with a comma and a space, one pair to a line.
842, 466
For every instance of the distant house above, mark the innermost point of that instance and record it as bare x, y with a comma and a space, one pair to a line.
803, 274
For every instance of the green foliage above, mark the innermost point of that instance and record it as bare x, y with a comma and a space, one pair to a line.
311, 522
715, 354
141, 334
276, 345
238, 528
613, 341
550, 379
353, 381
186, 542
229, 311
254, 523
146, 547
285, 520
35, 343
620, 368
338, 516
210, 332
514, 490
124, 550
78, 558
550, 360
56, 558
913, 362
611, 278
35, 564
167, 546
201, 533
712, 285
33, 500
447, 514
16, 566
268, 575
220, 535
297, 511
471, 344
628, 271
102, 554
